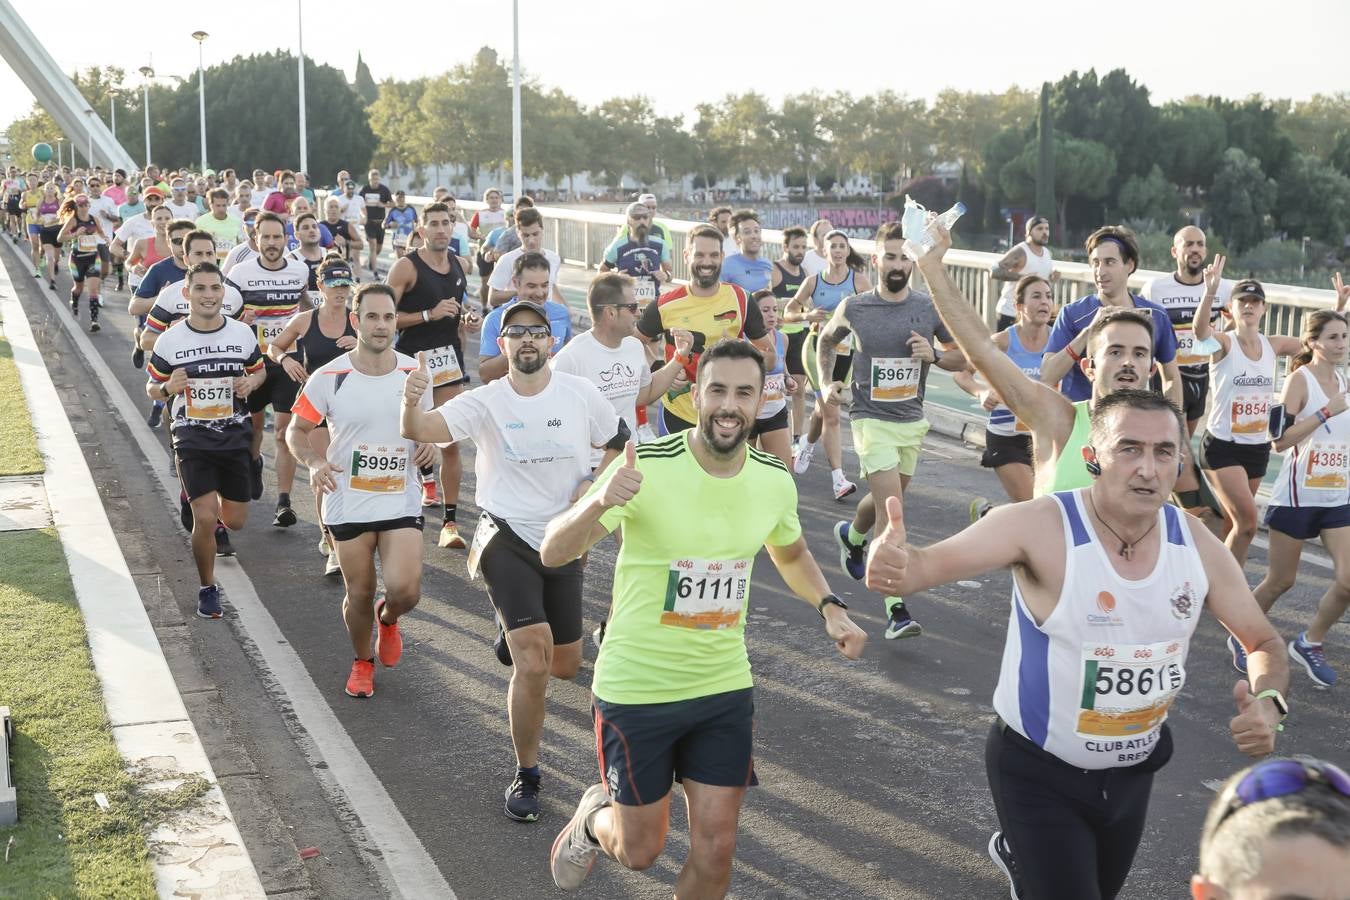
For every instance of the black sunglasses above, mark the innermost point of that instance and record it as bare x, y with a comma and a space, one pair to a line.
536, 332
631, 307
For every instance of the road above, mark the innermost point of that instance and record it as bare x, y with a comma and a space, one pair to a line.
872, 773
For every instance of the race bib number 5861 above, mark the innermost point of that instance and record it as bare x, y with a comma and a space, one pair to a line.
706, 593
1127, 688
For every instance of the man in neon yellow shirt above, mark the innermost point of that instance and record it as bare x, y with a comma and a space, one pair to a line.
673, 692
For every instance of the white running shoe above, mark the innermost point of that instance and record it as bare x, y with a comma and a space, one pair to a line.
801, 460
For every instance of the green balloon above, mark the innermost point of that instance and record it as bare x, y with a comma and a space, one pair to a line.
42, 152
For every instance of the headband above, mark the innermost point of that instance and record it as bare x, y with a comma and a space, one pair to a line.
832, 232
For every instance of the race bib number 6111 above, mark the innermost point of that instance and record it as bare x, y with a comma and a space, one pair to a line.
706, 593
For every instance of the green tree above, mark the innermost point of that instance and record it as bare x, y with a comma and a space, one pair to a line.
1001, 149
35, 128
1340, 153
364, 82
963, 122
1083, 170
1314, 200
621, 141
712, 157
1314, 124
1045, 158
1152, 198
398, 123
1241, 199
1191, 141
1253, 126
745, 127
801, 128
559, 128
467, 115
1114, 111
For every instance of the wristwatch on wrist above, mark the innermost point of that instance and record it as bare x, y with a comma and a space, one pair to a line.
829, 600
164, 391
1281, 706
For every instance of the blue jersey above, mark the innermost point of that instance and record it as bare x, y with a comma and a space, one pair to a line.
828, 295
1078, 315
748, 274
402, 221
636, 259
559, 322
159, 276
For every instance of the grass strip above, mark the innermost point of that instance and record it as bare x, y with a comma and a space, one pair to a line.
18, 445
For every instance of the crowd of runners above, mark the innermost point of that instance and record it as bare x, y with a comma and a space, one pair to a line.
261, 304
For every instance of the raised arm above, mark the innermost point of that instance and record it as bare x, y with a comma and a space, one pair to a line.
418, 424
1010, 267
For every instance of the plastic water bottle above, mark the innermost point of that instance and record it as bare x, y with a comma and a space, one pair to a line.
915, 247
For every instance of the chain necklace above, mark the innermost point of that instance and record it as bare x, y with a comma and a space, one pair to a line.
1126, 547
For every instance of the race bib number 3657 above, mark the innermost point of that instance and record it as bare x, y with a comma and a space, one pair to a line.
209, 399
706, 593
1127, 688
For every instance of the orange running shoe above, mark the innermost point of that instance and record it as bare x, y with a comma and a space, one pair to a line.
361, 683
388, 641
429, 497
450, 537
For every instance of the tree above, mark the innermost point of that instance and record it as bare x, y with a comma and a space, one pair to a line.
1340, 153
1240, 200
1314, 200
1314, 124
364, 82
398, 123
1083, 170
1045, 158
1002, 148
745, 127
463, 115
1191, 141
801, 128
1253, 126
559, 128
712, 158
1114, 111
621, 141
963, 122
1151, 197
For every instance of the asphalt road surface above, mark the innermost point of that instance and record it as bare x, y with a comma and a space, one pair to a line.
872, 772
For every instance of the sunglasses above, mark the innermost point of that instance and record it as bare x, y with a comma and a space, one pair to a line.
1281, 778
81, 204
534, 332
631, 307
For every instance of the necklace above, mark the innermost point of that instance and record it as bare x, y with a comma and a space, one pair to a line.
1126, 547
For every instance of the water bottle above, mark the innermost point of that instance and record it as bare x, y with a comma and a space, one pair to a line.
927, 237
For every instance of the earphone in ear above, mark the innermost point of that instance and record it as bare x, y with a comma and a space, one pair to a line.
1090, 462
1091, 363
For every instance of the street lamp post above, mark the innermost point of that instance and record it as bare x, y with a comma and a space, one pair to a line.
200, 37
148, 73
516, 175
300, 47
89, 135
59, 158
112, 110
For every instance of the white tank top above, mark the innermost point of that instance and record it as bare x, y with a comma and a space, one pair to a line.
1242, 391
1093, 683
1316, 471
1041, 265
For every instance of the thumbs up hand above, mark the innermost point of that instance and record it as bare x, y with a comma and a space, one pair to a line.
417, 382
1254, 726
625, 481
888, 555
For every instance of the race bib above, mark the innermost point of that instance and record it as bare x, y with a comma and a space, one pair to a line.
482, 536
209, 399
223, 248
1127, 688
895, 378
400, 241
644, 289
1326, 468
443, 364
706, 593
48, 219
1187, 354
87, 243
1250, 414
378, 469
373, 200
846, 345
269, 330
774, 387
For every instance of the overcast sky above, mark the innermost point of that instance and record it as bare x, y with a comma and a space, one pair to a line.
594, 49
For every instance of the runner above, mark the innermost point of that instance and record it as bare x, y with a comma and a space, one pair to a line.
226, 229
272, 287
429, 286
13, 192
530, 230
178, 202
308, 249
510, 239
400, 222
817, 258
337, 226
85, 231
247, 249
659, 230
1007, 439
1030, 257
636, 252
370, 499
720, 218
813, 304
771, 431
1312, 494
673, 694
207, 367
173, 302
104, 210
483, 222
891, 329
29, 202
746, 268
533, 430
377, 201
171, 269
788, 275
48, 217
353, 213
133, 210
1108, 585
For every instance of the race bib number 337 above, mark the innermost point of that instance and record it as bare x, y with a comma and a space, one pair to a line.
706, 593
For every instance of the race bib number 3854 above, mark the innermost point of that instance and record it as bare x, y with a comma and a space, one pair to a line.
1127, 688
706, 593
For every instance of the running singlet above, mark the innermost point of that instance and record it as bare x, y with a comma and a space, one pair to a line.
640, 260
775, 381
171, 306
1316, 471
1243, 392
1093, 683
726, 314
1040, 266
272, 295
532, 452
439, 337
1001, 419
1180, 302
402, 221
1068, 472
677, 627
84, 237
786, 290
208, 415
318, 349
312, 284
377, 479
888, 382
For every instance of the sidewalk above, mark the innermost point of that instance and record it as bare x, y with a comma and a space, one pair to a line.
195, 848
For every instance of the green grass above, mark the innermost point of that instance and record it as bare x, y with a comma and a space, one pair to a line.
65, 845
18, 446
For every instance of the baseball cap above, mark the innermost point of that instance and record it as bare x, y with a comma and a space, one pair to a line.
647, 198
337, 276
1249, 288
520, 306
154, 192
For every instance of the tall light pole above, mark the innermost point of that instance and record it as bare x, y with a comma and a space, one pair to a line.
515, 99
200, 37
148, 73
112, 110
58, 152
89, 134
300, 46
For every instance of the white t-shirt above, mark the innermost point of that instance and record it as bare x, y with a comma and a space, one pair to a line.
241, 252
461, 233
350, 207
378, 479
501, 275
532, 451
619, 374
814, 263
257, 198
104, 211
134, 229
730, 247
188, 210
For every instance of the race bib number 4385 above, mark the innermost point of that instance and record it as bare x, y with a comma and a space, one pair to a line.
706, 593
1127, 688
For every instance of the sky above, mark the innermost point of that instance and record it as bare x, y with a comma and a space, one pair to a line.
700, 52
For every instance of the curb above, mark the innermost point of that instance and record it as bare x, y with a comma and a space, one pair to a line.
201, 852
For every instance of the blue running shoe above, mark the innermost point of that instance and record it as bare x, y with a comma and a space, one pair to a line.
208, 602
1239, 654
852, 560
1313, 660
901, 624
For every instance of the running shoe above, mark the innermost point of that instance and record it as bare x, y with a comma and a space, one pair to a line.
361, 683
429, 496
208, 602
156, 417
1239, 654
522, 799
94, 328
223, 546
450, 538
645, 433
332, 566
51, 283
843, 488
1313, 660
138, 358
852, 559
598, 635
388, 641
901, 624
285, 517
801, 460
979, 508
574, 850
1001, 854
325, 547
500, 647
184, 512
257, 470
